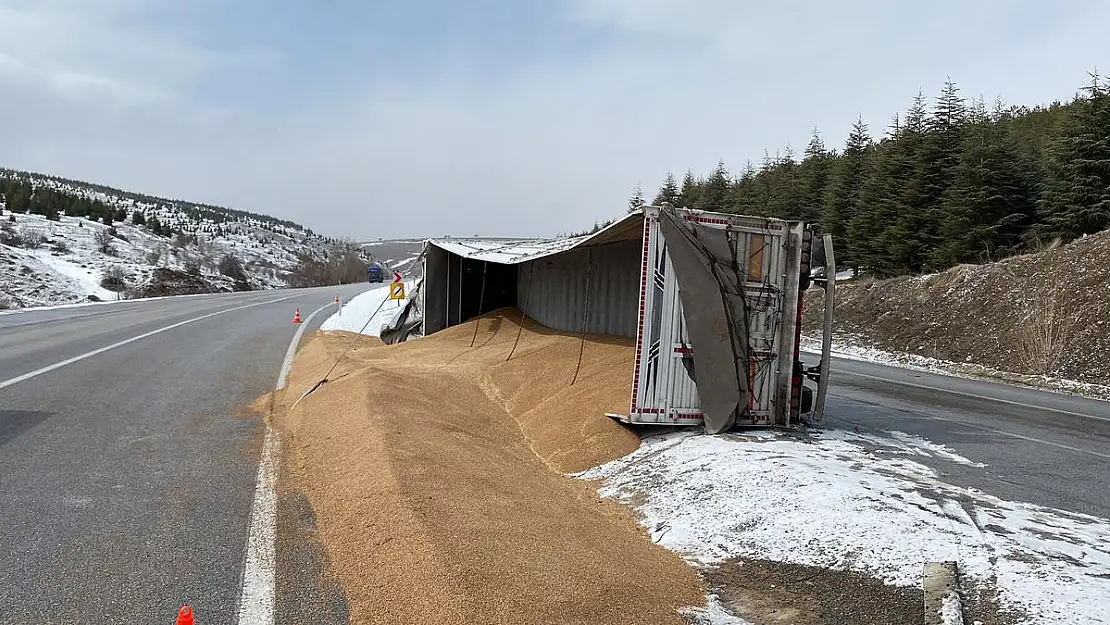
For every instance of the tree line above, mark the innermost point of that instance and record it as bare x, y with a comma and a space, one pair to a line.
195, 211
22, 196
947, 183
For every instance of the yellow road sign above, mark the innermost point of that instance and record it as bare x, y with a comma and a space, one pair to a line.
397, 290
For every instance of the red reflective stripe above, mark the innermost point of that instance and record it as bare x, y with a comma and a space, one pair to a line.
640, 320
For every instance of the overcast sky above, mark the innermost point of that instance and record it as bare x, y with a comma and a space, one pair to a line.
496, 117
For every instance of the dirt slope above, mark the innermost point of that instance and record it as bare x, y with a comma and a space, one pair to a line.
1039, 314
434, 470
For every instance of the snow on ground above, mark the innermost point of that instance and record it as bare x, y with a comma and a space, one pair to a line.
366, 312
390, 242
950, 611
861, 503
84, 276
713, 614
69, 266
851, 348
404, 265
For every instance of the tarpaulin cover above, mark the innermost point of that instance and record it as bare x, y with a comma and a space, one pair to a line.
710, 281
406, 324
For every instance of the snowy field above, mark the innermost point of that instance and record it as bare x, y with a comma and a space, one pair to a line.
68, 267
861, 503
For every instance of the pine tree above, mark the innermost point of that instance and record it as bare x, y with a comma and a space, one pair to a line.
881, 207
991, 201
668, 192
690, 194
18, 197
748, 195
97, 210
842, 197
155, 226
1076, 198
895, 127
903, 242
784, 193
939, 155
636, 202
715, 191
812, 178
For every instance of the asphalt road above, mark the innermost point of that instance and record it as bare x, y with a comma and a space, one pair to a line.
128, 460
127, 473
1040, 447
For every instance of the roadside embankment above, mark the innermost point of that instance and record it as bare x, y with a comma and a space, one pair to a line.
1040, 319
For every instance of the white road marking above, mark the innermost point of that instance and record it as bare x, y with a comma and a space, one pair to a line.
1031, 439
101, 350
256, 598
999, 400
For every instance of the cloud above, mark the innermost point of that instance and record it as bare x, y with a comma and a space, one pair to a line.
549, 143
126, 50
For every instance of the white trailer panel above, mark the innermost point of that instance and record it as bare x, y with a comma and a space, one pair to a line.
664, 390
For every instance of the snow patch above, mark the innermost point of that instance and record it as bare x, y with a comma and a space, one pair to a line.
408, 261
713, 614
835, 500
951, 612
910, 444
84, 277
366, 313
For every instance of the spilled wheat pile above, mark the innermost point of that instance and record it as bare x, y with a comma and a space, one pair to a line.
435, 472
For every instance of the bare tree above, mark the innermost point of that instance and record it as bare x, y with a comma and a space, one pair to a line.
1045, 331
232, 267
103, 239
113, 279
154, 257
33, 238
192, 265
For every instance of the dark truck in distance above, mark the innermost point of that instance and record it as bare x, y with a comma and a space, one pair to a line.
375, 273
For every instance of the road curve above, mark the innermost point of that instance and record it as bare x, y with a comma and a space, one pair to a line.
127, 461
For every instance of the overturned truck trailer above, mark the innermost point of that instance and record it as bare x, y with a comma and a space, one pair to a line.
712, 300
719, 329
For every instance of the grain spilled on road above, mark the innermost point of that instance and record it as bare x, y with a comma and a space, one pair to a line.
435, 472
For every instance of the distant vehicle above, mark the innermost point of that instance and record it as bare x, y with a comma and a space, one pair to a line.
375, 273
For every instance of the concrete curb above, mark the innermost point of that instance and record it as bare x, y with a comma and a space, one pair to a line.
940, 583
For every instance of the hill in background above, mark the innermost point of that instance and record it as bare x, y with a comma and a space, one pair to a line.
65, 241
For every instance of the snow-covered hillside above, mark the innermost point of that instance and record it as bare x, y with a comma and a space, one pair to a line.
73, 259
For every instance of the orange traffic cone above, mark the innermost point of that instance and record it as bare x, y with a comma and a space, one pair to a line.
185, 616
297, 316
